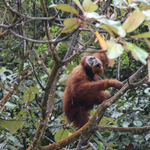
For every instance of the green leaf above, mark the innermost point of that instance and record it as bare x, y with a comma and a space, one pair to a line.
10, 105
133, 5
111, 145
101, 138
30, 93
138, 138
147, 91
133, 21
127, 105
143, 35
106, 120
12, 126
94, 15
144, 1
108, 29
70, 24
100, 144
137, 123
121, 7
147, 137
59, 93
103, 122
98, 147
137, 109
12, 147
2, 70
114, 49
89, 6
137, 52
63, 80
115, 26
117, 2
111, 120
65, 8
79, 5
116, 114
61, 134
70, 67
92, 112
24, 5
146, 13
125, 124
126, 142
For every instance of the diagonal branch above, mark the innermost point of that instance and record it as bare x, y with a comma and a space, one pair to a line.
7, 31
11, 90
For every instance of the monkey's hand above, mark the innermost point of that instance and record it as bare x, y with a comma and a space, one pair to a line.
117, 84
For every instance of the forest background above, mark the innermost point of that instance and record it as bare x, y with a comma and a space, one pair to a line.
41, 42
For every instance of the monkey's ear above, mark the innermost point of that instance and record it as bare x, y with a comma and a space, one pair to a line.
110, 62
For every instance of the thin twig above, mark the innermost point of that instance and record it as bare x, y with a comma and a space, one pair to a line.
35, 73
92, 146
36, 99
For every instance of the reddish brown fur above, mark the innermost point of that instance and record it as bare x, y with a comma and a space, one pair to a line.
84, 90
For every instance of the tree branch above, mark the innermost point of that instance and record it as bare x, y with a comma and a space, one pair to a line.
123, 129
28, 17
104, 6
11, 90
38, 58
38, 41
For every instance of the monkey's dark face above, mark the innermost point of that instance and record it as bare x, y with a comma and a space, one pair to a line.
92, 61
94, 64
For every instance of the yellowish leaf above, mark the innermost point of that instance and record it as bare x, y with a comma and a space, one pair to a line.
133, 21
101, 41
143, 35
89, 6
65, 8
71, 24
108, 29
79, 5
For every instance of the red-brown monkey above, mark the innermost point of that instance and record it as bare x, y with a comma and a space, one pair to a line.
84, 89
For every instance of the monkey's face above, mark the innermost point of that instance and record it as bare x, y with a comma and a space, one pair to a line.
92, 61
95, 64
